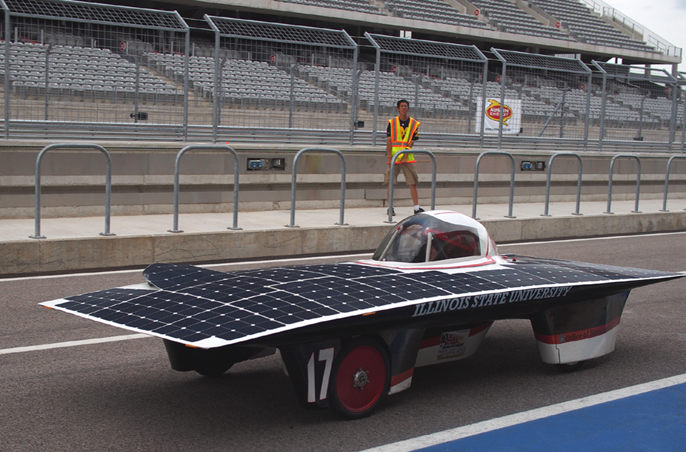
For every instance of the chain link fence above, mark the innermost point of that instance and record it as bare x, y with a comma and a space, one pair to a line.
276, 76
70, 63
444, 83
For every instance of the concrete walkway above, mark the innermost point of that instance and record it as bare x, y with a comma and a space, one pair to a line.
75, 244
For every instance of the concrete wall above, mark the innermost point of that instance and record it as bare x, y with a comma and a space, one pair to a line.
142, 179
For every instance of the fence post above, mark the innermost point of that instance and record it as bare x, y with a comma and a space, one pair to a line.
108, 183
638, 181
547, 182
295, 176
219, 147
669, 165
476, 181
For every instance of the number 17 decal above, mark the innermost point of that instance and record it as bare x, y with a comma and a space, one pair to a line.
325, 355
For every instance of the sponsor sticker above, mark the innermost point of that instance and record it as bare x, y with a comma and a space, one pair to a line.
452, 344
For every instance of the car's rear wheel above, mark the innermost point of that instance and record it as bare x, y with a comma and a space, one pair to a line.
360, 380
214, 371
570, 367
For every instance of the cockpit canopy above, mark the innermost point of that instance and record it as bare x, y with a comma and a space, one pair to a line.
435, 236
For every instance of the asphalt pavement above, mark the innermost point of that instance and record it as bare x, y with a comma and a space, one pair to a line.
64, 395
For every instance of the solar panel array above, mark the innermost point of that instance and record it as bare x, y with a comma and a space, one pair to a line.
192, 304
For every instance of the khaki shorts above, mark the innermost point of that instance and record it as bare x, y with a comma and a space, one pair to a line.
409, 171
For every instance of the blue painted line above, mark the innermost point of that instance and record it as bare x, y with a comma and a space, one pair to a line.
652, 421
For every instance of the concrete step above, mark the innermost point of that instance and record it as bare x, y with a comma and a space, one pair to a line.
75, 244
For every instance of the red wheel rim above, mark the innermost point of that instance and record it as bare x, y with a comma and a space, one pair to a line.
361, 378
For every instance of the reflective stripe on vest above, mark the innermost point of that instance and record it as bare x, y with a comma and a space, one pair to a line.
400, 141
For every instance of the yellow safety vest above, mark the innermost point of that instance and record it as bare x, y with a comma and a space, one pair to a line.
400, 141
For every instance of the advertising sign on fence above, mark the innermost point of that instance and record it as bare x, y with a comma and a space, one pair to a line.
512, 116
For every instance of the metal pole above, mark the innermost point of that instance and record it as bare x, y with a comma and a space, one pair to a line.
601, 126
292, 107
177, 163
47, 81
669, 165
353, 97
135, 101
476, 181
417, 80
502, 106
469, 112
588, 110
562, 113
108, 183
640, 120
376, 95
672, 121
7, 74
547, 182
215, 118
638, 181
483, 105
186, 72
294, 177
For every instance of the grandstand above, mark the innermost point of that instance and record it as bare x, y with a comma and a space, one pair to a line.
299, 77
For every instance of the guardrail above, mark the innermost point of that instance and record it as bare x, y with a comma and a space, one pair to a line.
177, 188
294, 177
669, 166
578, 182
476, 181
108, 183
391, 187
638, 181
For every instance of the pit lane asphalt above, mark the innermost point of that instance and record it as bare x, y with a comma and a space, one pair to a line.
123, 395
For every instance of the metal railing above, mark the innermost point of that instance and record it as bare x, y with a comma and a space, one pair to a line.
391, 181
176, 181
578, 182
294, 178
476, 181
108, 183
638, 181
669, 166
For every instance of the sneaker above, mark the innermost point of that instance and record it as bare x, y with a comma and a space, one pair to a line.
418, 210
391, 211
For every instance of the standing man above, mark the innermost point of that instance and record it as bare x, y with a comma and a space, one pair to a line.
401, 134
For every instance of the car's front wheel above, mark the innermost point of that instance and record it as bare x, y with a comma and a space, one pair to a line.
361, 377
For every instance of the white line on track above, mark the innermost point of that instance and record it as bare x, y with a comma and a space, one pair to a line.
589, 239
526, 416
99, 340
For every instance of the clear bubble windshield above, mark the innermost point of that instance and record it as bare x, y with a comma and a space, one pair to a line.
424, 238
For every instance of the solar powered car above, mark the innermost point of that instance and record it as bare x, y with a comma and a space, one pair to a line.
352, 333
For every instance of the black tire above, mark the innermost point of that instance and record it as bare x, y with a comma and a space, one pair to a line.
360, 378
215, 371
570, 367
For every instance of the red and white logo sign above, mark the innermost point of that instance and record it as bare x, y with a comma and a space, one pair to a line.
394, 69
558, 24
272, 58
122, 46
497, 79
582, 86
477, 12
